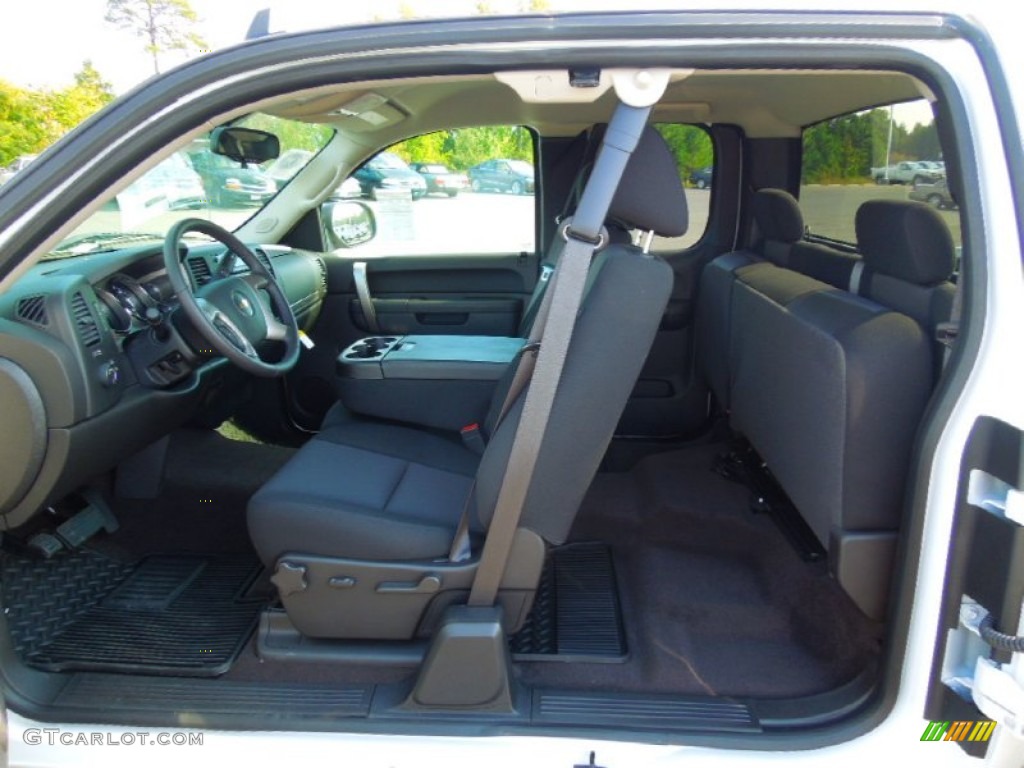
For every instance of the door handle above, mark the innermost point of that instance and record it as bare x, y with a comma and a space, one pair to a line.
428, 585
365, 299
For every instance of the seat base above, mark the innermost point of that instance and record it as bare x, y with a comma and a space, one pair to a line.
344, 598
468, 666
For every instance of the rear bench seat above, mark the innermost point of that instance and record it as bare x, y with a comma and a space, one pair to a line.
780, 225
828, 386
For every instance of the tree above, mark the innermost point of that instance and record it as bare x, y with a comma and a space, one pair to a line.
32, 120
690, 145
165, 25
20, 129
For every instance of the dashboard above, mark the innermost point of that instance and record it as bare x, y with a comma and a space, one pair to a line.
88, 371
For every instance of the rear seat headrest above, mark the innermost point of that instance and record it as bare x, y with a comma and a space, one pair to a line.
905, 240
778, 215
650, 195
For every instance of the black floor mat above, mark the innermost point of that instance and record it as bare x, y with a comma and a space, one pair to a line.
180, 615
575, 615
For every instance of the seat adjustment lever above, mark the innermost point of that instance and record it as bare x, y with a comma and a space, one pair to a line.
428, 585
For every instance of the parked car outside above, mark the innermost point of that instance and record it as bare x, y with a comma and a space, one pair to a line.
515, 176
935, 167
19, 164
936, 194
228, 184
906, 172
701, 177
181, 185
387, 171
349, 189
287, 165
440, 179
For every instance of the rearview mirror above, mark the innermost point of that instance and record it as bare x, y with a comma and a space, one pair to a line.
349, 223
245, 145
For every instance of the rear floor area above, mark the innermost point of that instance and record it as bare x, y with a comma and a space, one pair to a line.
714, 601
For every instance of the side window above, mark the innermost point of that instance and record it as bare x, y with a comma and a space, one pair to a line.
466, 191
695, 159
889, 153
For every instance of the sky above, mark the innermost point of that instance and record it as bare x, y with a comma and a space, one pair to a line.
36, 52
46, 41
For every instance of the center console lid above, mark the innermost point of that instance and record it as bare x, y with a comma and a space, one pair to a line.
458, 358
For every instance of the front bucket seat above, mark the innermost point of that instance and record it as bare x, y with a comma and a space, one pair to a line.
358, 525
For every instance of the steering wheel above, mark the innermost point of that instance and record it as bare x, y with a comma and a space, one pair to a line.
232, 312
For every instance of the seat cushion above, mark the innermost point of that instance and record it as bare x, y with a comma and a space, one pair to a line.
365, 490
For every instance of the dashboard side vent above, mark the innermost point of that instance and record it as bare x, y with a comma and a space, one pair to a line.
32, 309
85, 323
322, 265
264, 259
199, 269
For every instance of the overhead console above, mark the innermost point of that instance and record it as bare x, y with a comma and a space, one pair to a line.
436, 381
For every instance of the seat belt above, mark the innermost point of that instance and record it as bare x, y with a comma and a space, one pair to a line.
525, 362
583, 237
946, 333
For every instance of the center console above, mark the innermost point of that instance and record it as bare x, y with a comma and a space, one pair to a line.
436, 381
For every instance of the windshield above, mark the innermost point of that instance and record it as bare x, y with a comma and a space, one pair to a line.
196, 183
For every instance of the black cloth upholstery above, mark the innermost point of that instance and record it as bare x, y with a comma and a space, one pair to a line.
651, 194
377, 491
905, 240
829, 388
613, 336
778, 215
364, 490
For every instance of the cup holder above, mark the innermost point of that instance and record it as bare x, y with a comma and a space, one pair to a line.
370, 348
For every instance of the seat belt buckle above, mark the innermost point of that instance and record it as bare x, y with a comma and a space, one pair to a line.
946, 333
473, 439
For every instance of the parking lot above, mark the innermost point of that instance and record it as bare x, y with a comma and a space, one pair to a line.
483, 223
496, 223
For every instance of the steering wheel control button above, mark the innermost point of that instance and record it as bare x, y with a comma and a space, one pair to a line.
244, 305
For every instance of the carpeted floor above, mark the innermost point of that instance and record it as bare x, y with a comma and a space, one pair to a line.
714, 600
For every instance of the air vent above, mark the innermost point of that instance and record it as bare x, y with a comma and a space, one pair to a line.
323, 274
264, 259
199, 269
85, 323
32, 309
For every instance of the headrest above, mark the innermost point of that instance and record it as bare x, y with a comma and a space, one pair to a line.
905, 240
650, 195
778, 216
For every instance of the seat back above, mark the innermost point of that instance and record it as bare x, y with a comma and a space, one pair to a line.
614, 332
780, 227
909, 257
829, 388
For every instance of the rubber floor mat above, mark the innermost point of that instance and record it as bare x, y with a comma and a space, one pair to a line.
576, 614
166, 615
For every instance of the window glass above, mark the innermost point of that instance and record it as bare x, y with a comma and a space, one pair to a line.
466, 191
193, 182
889, 153
695, 158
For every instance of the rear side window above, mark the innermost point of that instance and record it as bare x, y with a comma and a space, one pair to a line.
889, 152
695, 159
